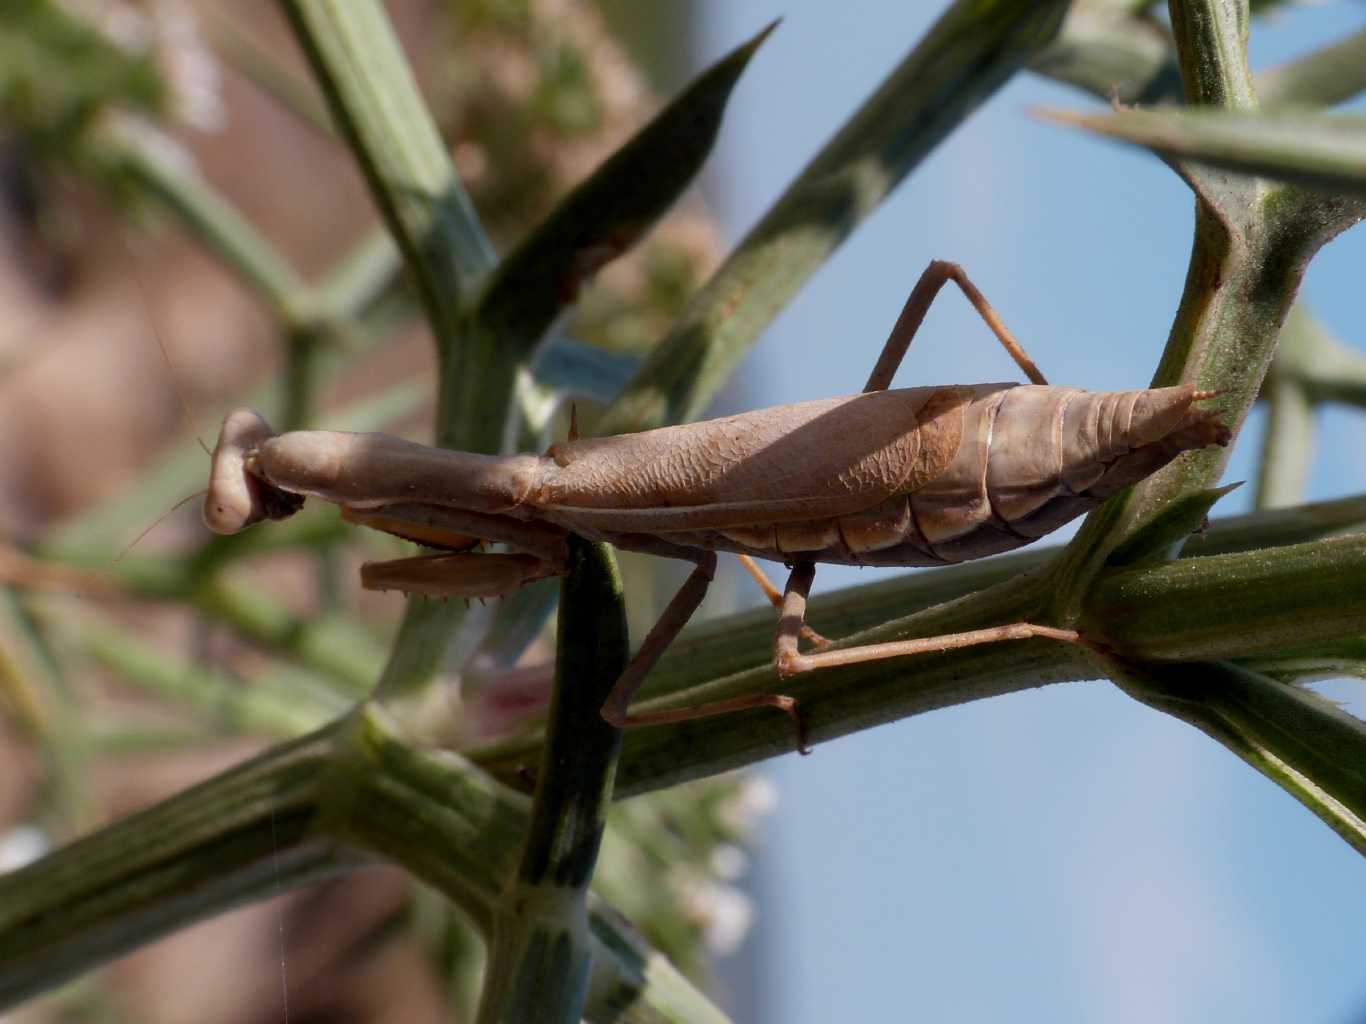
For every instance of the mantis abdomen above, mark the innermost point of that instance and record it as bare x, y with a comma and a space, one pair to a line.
919, 476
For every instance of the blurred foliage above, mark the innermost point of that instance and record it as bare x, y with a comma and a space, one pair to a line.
58, 74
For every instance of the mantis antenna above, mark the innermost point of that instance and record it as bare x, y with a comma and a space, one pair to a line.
146, 295
141, 284
158, 521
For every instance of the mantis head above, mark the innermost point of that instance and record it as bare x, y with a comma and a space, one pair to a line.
236, 498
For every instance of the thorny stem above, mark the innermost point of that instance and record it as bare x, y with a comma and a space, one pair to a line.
296, 813
361, 782
451, 827
1251, 245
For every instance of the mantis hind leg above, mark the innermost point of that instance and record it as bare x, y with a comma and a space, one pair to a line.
788, 661
913, 313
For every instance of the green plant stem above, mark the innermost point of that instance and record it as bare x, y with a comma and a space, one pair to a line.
459, 831
1288, 444
1251, 245
1136, 612
331, 647
370, 92
1164, 611
1253, 241
272, 710
540, 951
1211, 45
456, 829
152, 163
717, 652
1326, 368
152, 872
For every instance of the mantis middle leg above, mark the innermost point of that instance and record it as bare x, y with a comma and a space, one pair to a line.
662, 634
775, 597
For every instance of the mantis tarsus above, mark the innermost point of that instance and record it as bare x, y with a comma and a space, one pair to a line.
897, 477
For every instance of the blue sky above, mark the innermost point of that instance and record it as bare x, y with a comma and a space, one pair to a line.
1065, 854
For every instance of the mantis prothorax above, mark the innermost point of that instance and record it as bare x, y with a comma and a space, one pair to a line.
897, 477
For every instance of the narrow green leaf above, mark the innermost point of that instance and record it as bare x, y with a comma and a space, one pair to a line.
1311, 749
1335, 73
1320, 151
1113, 54
1160, 538
1331, 660
608, 212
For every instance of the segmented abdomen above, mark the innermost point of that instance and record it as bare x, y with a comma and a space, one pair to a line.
1031, 458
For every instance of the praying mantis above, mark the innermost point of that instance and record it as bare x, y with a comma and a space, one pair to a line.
892, 477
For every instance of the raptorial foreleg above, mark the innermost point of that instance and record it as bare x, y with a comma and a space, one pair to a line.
539, 551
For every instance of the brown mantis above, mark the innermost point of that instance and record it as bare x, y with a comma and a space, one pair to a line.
895, 477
